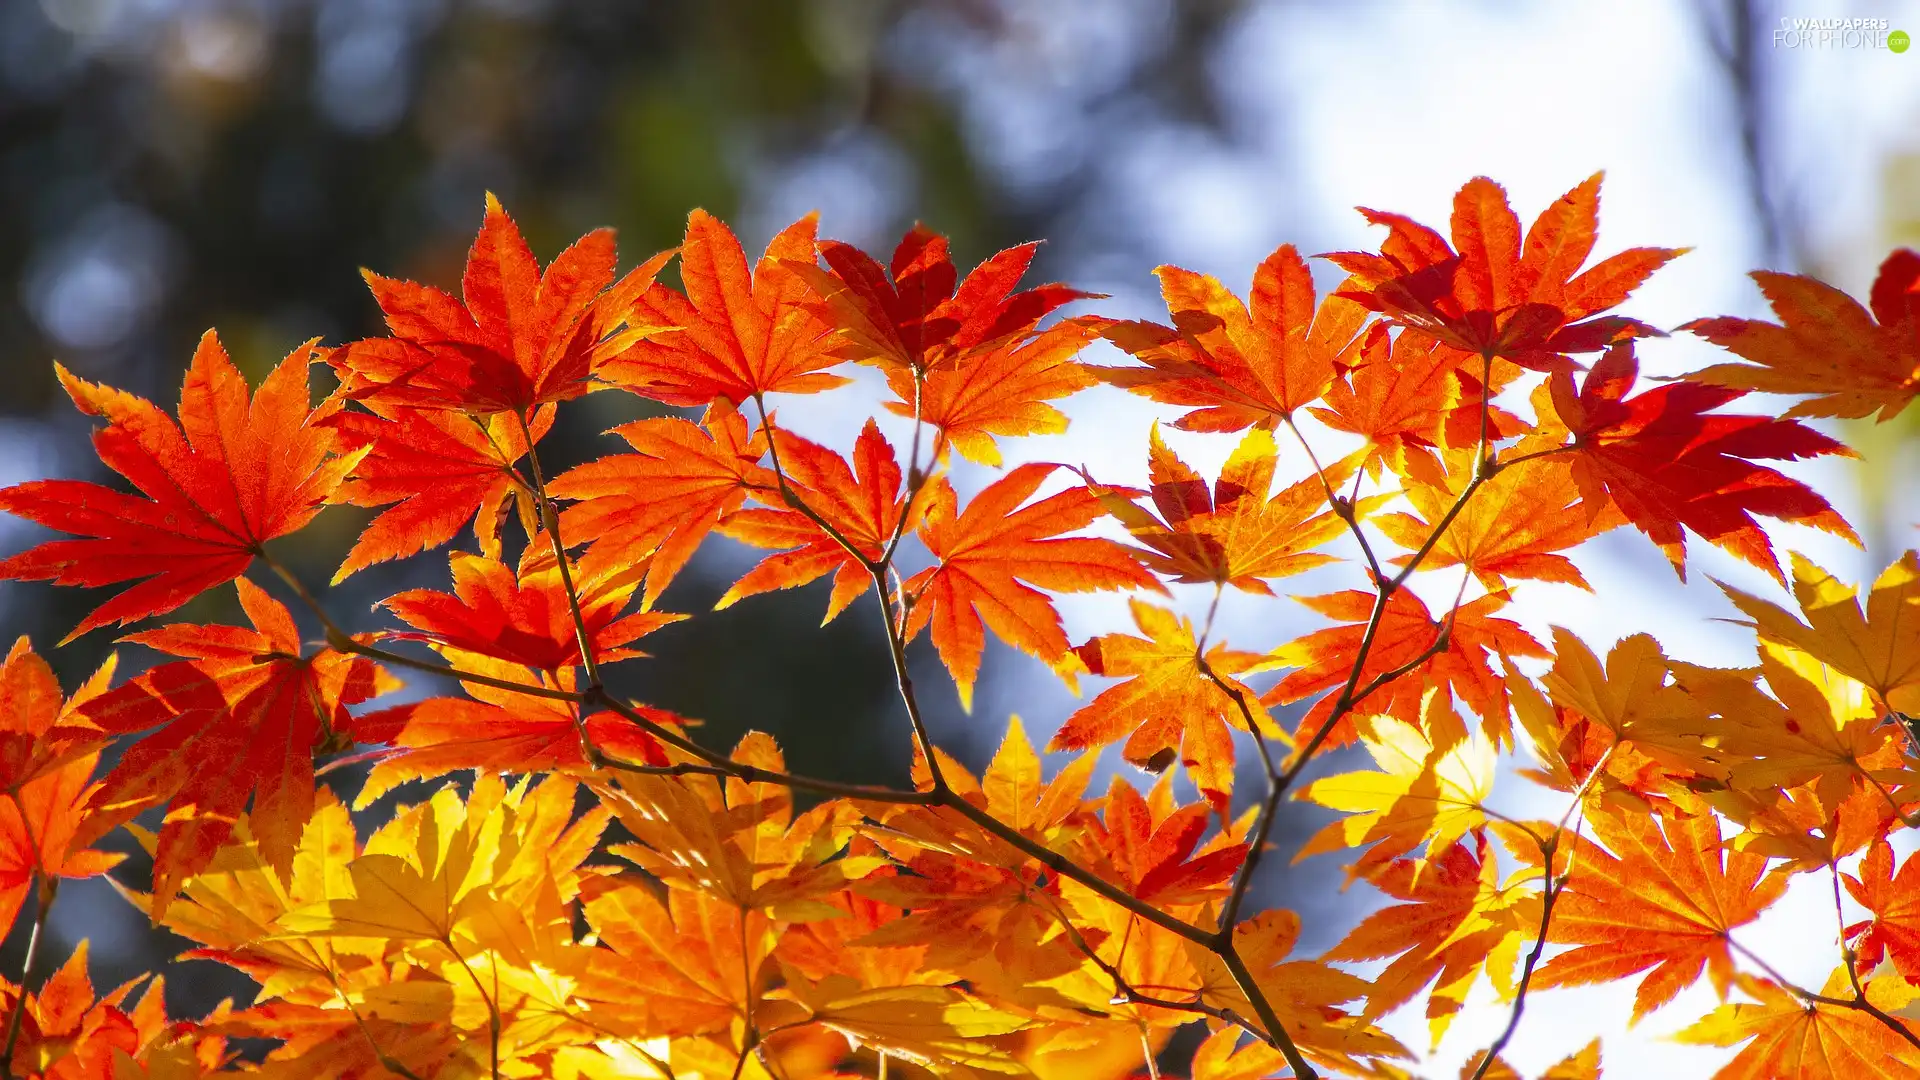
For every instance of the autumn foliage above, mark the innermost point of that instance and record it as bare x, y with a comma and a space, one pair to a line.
577, 886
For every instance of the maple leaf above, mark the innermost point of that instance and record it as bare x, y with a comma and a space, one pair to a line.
737, 333
662, 500
46, 776
1149, 845
1325, 660
990, 558
65, 1031
1826, 345
1894, 931
917, 315
1420, 793
685, 966
239, 720
939, 1028
740, 842
1239, 365
1668, 465
1398, 396
1876, 647
524, 617
523, 336
1491, 293
1815, 729
1169, 701
1220, 1057
231, 909
501, 731
430, 873
442, 469
972, 895
1794, 1039
1665, 902
1457, 921
1305, 994
862, 502
1004, 390
1633, 700
1513, 525
236, 471
1236, 534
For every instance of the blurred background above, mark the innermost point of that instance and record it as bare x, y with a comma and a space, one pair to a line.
170, 165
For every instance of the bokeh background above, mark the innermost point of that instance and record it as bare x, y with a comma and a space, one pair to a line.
170, 165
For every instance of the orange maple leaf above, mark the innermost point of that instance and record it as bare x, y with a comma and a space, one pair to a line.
522, 337
1497, 294
1665, 902
1669, 466
862, 502
1168, 701
500, 731
239, 720
990, 558
1513, 526
1000, 391
65, 1031
1457, 921
1826, 345
242, 472
1398, 396
664, 498
1237, 364
442, 469
1325, 660
47, 779
1795, 1039
737, 332
1235, 534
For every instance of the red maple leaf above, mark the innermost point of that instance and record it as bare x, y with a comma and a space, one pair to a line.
521, 338
524, 617
235, 472
862, 502
1492, 293
1669, 466
664, 498
240, 720
914, 316
442, 469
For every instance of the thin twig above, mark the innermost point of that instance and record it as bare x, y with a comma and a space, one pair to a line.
1485, 468
1860, 1003
550, 521
48, 888
1550, 893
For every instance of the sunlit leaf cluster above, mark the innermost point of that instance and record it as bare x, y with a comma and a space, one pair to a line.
575, 885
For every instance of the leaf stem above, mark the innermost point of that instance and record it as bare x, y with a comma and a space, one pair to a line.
550, 521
